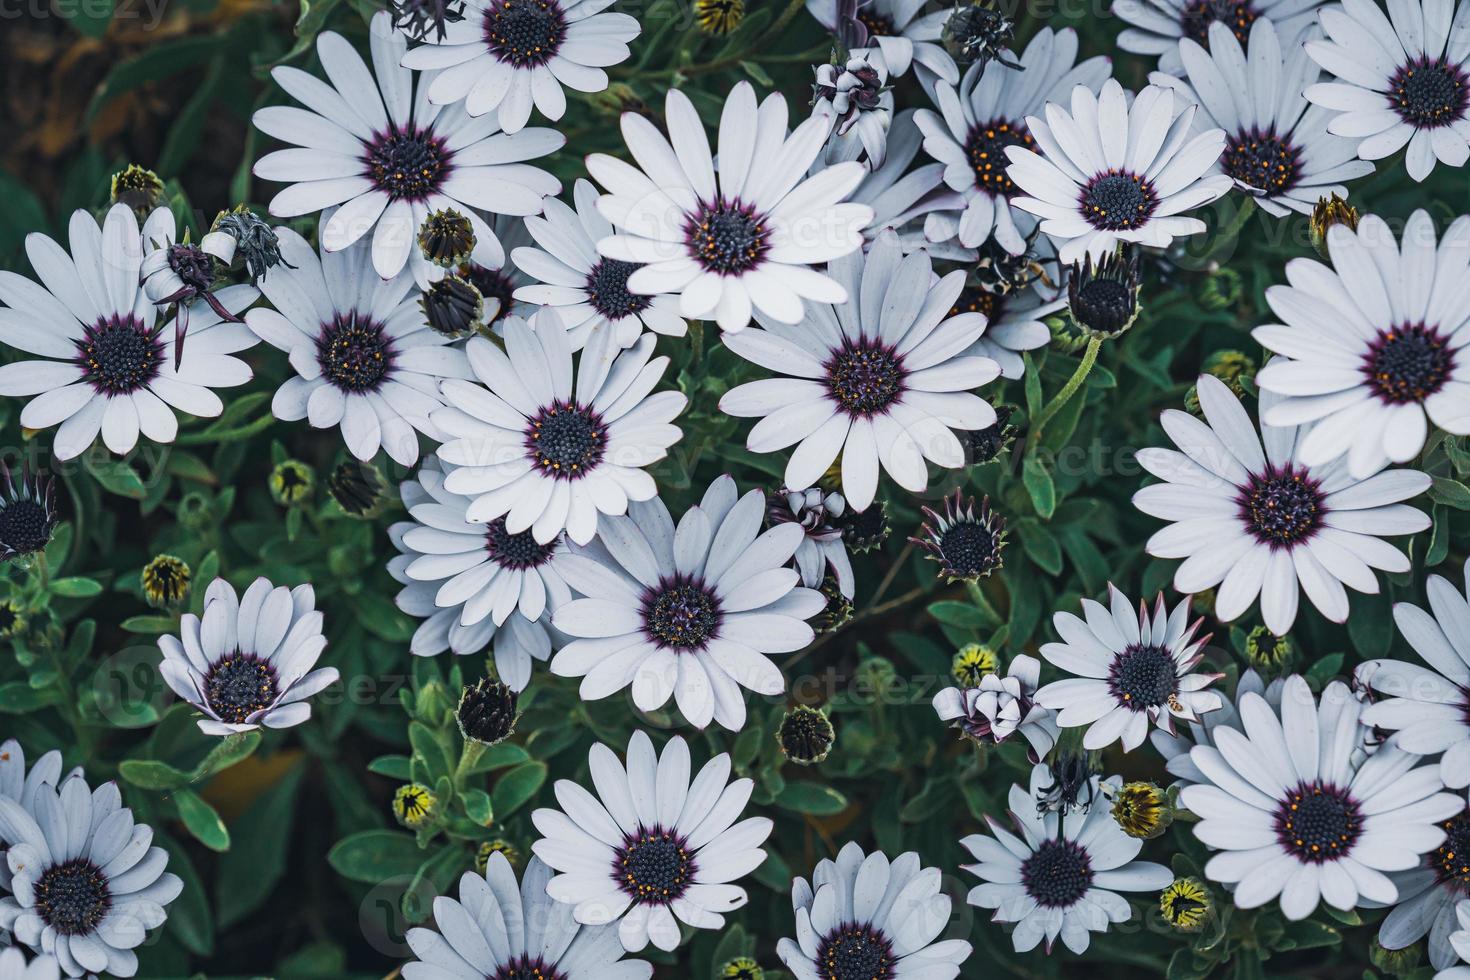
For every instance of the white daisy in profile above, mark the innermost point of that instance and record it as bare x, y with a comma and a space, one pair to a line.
1277, 145
506, 931
108, 365
370, 141
898, 32
366, 359
692, 611
654, 847
1002, 706
1175, 746
1155, 27
1373, 347
506, 55
1059, 875
86, 886
548, 447
881, 380
473, 583
589, 292
1134, 671
1429, 894
1428, 708
1264, 523
1297, 813
247, 661
19, 783
1110, 172
13, 966
1399, 79
864, 916
973, 127
748, 236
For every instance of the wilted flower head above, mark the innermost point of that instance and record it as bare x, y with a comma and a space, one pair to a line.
806, 735
256, 244
979, 32
417, 18
1071, 787
998, 707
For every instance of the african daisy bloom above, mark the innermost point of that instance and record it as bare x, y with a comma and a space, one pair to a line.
692, 611
745, 237
507, 55
1428, 895
881, 379
13, 966
863, 916
1296, 812
1264, 523
1016, 293
899, 34
504, 930
1110, 172
1277, 145
1428, 708
372, 142
85, 884
1401, 78
549, 447
1134, 670
1157, 26
247, 662
1175, 746
589, 292
1059, 874
973, 127
1372, 348
653, 848
1001, 706
473, 583
109, 365
366, 359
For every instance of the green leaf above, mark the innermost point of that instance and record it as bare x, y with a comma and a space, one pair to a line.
374, 856
1039, 485
230, 750
149, 624
201, 820
477, 806
19, 698
154, 63
1041, 547
961, 614
152, 774
116, 476
514, 789
76, 588
392, 766
379, 616
250, 869
1450, 492
812, 798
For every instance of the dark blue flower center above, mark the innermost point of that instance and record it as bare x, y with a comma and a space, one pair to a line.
1318, 823
73, 897
238, 686
525, 33
118, 355
1058, 874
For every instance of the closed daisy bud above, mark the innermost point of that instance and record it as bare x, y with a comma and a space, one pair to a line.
453, 307
972, 663
1221, 289
27, 514
876, 675
487, 712
12, 619
1395, 962
1186, 904
806, 735
447, 238
358, 488
864, 530
1142, 810
1102, 299
497, 846
965, 540
718, 17
414, 805
292, 482
256, 246
1231, 367
1329, 211
137, 187
984, 445
1267, 652
742, 968
838, 610
165, 581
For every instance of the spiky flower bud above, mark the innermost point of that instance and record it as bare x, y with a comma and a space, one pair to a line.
806, 735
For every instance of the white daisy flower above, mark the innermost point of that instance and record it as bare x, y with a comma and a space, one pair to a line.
1132, 669
691, 611
247, 661
899, 34
653, 848
491, 271
1015, 317
1157, 26
590, 292
109, 364
975, 125
864, 916
1111, 172
857, 102
365, 356
1428, 707
369, 141
1002, 706
506, 55
1061, 875
19, 784
86, 886
1296, 812
504, 930
1265, 524
1373, 347
901, 196
1277, 145
13, 966
1460, 942
549, 448
1400, 78
1428, 894
748, 236
1175, 746
879, 380
473, 583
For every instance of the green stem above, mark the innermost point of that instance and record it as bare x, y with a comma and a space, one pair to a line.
1074, 383
467, 758
229, 435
